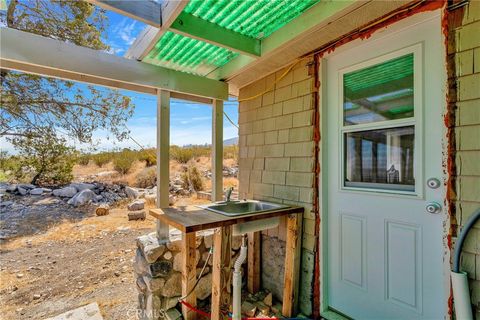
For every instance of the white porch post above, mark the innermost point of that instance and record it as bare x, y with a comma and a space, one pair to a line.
217, 150
163, 158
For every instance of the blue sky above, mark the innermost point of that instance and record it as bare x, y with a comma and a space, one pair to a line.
190, 122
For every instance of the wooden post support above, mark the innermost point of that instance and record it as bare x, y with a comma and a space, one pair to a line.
189, 273
163, 158
254, 262
217, 150
221, 277
292, 265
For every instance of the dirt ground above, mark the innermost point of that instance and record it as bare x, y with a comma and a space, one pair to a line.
54, 257
74, 259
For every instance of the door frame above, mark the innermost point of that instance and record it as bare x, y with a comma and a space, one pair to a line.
392, 29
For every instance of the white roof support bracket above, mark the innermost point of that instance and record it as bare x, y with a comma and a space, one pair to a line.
27, 52
147, 11
147, 39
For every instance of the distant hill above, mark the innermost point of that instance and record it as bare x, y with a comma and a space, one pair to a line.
230, 142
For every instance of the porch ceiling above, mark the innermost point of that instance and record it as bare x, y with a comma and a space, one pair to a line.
209, 34
240, 41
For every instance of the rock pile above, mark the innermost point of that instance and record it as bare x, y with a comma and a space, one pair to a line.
157, 268
78, 194
136, 210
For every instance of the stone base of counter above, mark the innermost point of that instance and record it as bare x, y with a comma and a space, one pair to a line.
157, 268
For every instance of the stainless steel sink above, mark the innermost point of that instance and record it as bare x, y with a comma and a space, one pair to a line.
238, 208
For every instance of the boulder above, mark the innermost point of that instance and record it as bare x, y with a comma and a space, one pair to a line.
173, 286
150, 246
36, 191
204, 287
26, 186
137, 215
66, 192
153, 284
82, 186
173, 314
22, 191
81, 198
131, 192
136, 205
11, 188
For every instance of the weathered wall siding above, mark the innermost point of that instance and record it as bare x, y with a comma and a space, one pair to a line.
467, 138
276, 155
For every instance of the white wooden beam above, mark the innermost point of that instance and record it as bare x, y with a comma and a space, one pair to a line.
147, 11
217, 150
193, 27
163, 158
27, 52
142, 45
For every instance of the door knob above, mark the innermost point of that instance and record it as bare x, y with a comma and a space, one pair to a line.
433, 207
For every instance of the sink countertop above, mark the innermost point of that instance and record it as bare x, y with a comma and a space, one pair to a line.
191, 218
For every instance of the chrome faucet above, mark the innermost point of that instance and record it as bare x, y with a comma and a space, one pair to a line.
228, 194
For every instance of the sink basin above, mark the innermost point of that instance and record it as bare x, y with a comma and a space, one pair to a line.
238, 208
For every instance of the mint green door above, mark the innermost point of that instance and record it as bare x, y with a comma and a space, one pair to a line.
384, 180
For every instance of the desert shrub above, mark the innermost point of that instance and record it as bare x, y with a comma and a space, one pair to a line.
83, 159
102, 158
181, 155
123, 161
147, 178
230, 152
147, 155
192, 179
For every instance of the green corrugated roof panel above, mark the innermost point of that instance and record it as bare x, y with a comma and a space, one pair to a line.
253, 18
181, 53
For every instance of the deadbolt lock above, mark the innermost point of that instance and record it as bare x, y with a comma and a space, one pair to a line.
433, 183
433, 207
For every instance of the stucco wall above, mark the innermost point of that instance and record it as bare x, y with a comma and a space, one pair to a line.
277, 158
464, 48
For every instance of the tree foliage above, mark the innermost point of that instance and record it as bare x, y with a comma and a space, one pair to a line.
50, 160
31, 104
35, 109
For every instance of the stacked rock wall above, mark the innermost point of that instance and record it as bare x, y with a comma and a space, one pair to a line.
157, 268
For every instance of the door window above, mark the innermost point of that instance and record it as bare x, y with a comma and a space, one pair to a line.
378, 132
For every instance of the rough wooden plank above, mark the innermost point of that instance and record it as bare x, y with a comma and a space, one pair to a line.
54, 58
292, 265
222, 267
191, 218
189, 273
217, 150
254, 261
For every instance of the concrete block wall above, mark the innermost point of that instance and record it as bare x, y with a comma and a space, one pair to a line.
276, 157
465, 48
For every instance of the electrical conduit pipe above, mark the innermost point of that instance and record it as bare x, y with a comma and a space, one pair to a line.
237, 281
461, 293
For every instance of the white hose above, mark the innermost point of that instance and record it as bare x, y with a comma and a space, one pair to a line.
461, 296
237, 282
